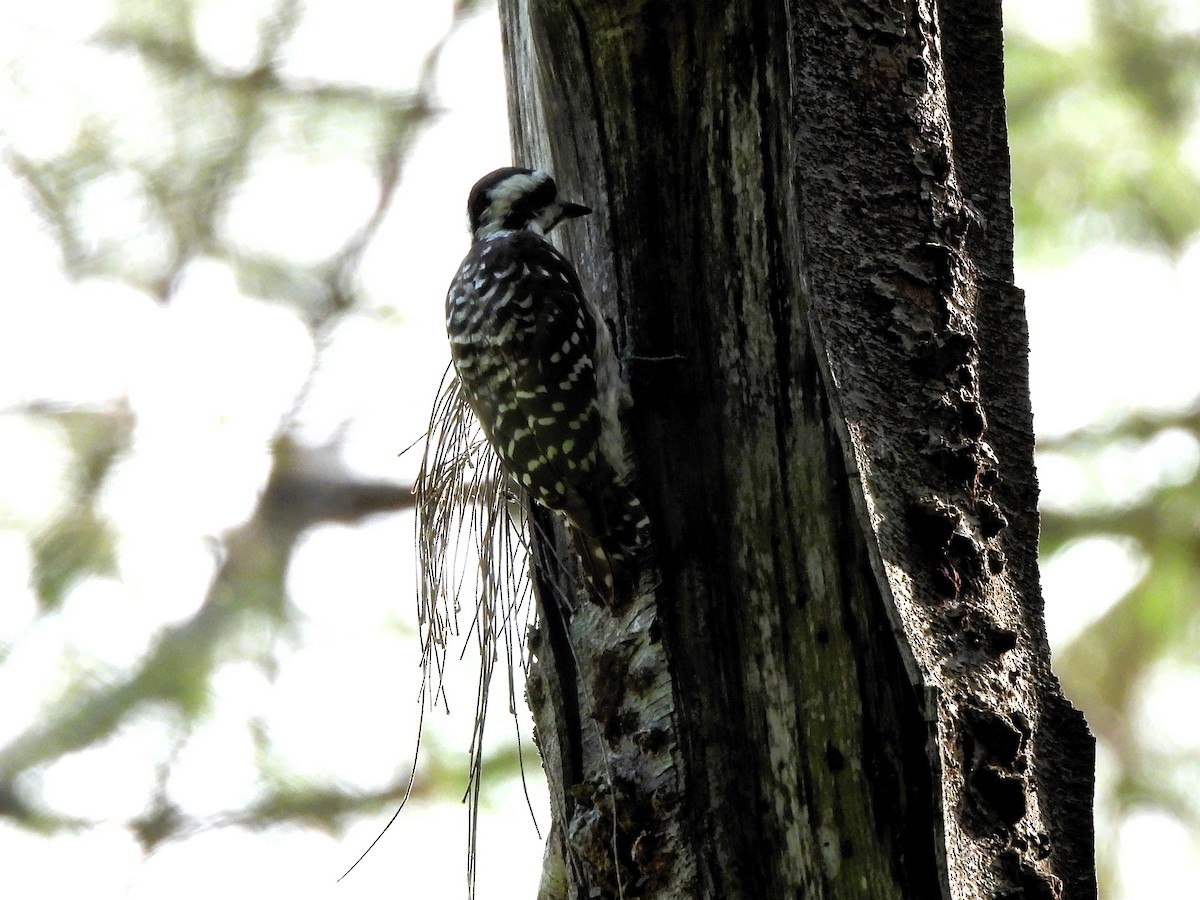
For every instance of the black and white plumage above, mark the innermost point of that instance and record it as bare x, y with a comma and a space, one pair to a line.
537, 365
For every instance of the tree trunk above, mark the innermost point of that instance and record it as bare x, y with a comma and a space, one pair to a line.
837, 682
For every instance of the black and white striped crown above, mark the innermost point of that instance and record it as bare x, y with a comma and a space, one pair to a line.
514, 198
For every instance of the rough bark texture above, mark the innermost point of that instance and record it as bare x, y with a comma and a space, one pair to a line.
838, 683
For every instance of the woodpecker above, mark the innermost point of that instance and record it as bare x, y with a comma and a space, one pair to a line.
537, 366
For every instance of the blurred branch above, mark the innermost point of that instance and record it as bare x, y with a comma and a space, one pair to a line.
79, 542
308, 487
1137, 426
322, 806
1141, 522
49, 188
1165, 515
305, 488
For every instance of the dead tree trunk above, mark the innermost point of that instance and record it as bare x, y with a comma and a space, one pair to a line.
840, 686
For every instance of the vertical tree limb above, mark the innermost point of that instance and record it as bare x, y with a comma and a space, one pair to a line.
841, 685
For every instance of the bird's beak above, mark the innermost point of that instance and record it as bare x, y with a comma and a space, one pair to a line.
574, 210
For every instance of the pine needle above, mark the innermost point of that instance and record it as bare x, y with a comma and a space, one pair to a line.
473, 558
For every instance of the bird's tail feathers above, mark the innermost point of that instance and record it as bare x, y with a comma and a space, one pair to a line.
613, 547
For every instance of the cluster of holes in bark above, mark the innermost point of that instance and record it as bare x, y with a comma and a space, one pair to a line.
964, 551
642, 860
960, 532
927, 304
960, 527
616, 831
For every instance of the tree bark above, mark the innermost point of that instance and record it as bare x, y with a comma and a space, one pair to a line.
836, 681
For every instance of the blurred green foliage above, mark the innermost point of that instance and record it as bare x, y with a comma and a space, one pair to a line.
1104, 132
144, 188
1105, 137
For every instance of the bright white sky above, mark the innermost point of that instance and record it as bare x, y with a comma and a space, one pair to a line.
206, 405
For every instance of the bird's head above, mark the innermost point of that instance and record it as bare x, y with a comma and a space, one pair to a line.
513, 198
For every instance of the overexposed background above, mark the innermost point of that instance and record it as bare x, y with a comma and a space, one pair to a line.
226, 228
